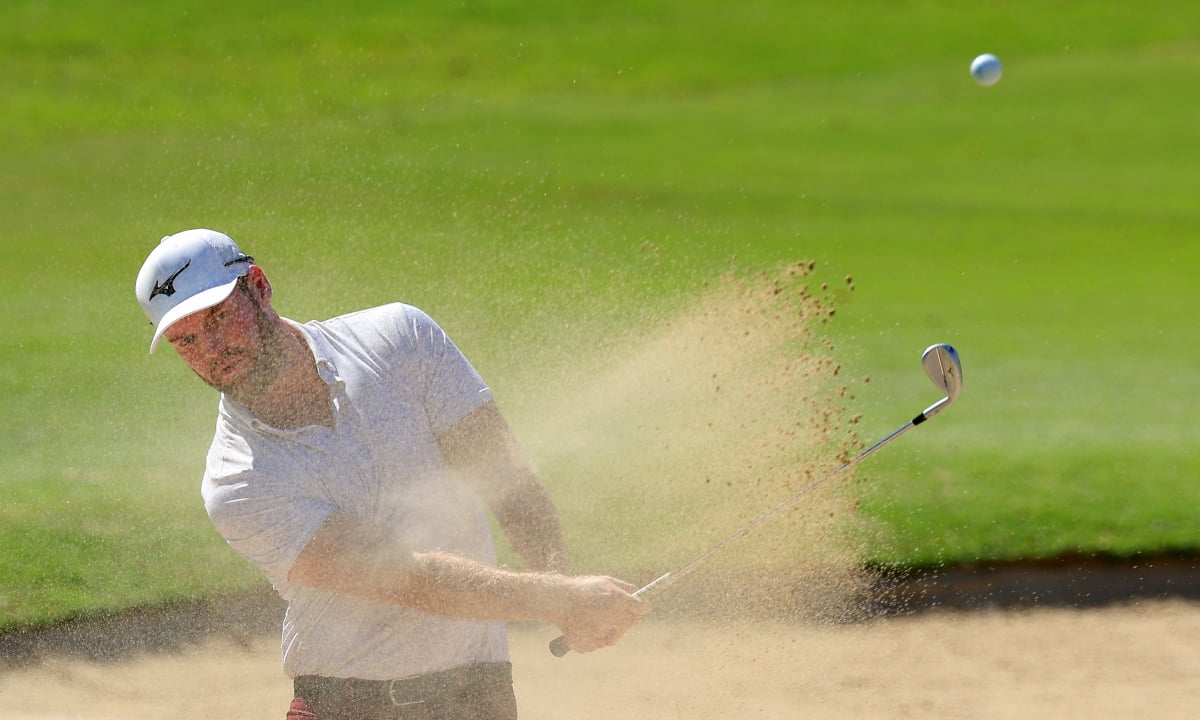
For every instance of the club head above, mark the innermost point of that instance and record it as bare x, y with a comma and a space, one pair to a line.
943, 368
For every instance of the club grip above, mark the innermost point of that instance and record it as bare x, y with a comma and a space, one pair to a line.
559, 647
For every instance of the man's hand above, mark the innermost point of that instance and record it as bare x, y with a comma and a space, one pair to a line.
598, 611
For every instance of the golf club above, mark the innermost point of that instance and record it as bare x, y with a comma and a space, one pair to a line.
941, 364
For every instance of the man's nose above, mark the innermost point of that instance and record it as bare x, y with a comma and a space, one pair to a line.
214, 343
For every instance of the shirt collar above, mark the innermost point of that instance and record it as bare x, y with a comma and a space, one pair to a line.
320, 351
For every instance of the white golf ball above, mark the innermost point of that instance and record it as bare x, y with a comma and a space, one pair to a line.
986, 69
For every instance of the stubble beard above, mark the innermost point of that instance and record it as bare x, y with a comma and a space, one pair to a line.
265, 361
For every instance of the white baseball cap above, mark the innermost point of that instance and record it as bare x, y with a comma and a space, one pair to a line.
187, 272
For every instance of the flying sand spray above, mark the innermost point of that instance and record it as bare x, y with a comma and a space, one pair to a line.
944, 369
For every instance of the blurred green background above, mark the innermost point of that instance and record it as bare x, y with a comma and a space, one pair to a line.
531, 173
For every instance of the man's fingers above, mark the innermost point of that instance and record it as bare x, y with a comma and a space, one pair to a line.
626, 586
606, 609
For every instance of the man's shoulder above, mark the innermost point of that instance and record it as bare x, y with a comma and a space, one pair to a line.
391, 315
386, 310
378, 331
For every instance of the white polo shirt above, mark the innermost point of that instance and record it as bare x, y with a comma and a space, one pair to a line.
397, 382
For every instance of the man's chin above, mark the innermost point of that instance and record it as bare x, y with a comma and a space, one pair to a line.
229, 383
224, 387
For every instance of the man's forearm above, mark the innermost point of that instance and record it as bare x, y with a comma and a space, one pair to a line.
488, 458
351, 556
354, 557
455, 586
592, 612
530, 522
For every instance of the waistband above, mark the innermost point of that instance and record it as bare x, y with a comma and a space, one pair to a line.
412, 690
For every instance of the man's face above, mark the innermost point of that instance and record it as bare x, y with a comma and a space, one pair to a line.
232, 346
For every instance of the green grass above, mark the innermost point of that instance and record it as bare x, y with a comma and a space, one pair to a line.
535, 173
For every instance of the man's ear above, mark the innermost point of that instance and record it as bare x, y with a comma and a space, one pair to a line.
258, 284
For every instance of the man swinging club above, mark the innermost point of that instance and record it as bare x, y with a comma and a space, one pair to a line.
354, 462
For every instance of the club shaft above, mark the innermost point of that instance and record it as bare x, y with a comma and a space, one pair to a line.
559, 645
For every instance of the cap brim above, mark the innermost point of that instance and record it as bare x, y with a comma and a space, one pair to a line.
199, 301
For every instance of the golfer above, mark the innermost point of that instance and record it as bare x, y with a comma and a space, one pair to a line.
354, 462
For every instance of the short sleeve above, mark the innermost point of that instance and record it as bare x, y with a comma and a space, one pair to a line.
263, 516
452, 385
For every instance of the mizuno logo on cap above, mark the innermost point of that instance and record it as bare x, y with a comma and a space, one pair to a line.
167, 287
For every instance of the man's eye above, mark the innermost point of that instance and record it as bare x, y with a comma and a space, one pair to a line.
186, 340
